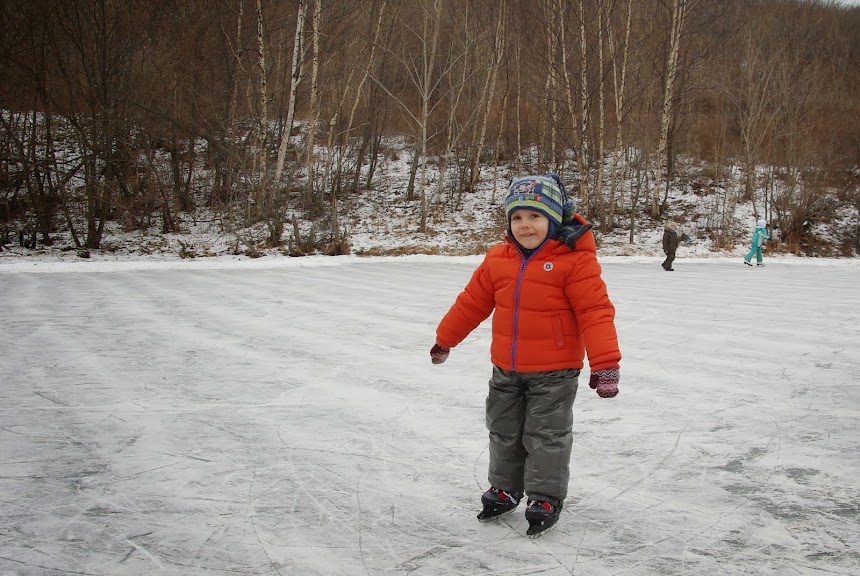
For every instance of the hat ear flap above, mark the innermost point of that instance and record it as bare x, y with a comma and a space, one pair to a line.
569, 208
558, 181
553, 229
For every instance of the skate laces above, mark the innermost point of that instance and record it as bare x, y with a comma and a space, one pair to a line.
542, 503
504, 495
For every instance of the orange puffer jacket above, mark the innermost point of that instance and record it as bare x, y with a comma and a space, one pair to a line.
549, 308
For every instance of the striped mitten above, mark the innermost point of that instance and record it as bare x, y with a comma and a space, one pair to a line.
605, 382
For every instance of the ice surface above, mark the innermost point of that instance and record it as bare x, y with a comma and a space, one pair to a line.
283, 417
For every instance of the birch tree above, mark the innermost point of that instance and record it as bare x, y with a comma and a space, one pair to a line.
578, 113
314, 112
619, 83
676, 29
425, 79
460, 116
426, 90
755, 97
296, 76
601, 107
370, 63
584, 144
263, 113
223, 189
497, 55
272, 210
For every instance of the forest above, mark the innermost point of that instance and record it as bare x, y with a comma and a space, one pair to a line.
271, 113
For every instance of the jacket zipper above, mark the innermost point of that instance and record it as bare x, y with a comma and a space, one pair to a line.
517, 301
517, 314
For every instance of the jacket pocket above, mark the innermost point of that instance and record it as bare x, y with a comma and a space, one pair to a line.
558, 332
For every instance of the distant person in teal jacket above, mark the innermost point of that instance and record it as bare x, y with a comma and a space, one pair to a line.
760, 236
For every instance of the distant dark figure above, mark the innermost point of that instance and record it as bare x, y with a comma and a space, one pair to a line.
670, 244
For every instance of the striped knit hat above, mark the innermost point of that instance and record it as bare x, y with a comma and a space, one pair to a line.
540, 193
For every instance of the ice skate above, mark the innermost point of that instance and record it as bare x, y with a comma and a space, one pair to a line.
542, 516
498, 503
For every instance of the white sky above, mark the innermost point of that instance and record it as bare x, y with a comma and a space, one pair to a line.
281, 416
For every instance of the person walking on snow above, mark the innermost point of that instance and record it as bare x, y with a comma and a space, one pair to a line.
550, 306
670, 244
760, 236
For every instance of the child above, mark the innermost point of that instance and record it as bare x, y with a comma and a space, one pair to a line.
759, 237
550, 305
670, 244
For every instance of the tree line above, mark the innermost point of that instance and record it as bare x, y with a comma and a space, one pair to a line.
138, 111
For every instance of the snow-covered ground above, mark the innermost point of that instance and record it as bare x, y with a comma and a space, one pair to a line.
281, 416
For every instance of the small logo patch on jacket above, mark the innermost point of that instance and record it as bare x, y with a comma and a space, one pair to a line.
547, 267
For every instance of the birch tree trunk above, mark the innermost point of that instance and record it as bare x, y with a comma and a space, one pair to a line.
263, 120
454, 128
267, 202
232, 117
618, 88
314, 104
335, 249
296, 74
577, 130
679, 13
371, 61
583, 120
519, 106
546, 127
552, 82
598, 185
502, 124
429, 65
489, 89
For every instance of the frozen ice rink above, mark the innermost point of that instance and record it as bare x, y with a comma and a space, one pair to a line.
283, 418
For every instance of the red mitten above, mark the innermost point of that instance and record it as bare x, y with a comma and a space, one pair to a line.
605, 382
438, 353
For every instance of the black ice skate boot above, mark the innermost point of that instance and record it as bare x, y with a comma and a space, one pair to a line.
542, 514
498, 503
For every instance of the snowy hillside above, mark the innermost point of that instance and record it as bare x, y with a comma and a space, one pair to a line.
382, 221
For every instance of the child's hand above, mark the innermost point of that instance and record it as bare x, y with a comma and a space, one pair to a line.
605, 382
438, 353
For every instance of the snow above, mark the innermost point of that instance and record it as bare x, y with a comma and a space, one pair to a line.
281, 416
382, 221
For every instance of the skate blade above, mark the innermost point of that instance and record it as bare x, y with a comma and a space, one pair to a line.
489, 518
537, 530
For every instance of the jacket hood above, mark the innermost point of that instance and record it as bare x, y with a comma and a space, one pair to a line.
586, 243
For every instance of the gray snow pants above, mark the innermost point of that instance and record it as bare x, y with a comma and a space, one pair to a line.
530, 419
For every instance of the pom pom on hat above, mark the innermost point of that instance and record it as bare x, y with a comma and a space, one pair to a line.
543, 194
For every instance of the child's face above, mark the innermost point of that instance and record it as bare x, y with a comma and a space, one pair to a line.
529, 227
